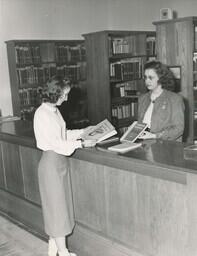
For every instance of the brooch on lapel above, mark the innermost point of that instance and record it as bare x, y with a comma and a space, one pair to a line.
164, 105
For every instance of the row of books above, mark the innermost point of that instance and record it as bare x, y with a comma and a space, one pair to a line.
40, 75
27, 54
65, 53
124, 89
124, 111
29, 97
130, 44
126, 69
75, 73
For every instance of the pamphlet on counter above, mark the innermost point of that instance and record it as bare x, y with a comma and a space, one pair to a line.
127, 141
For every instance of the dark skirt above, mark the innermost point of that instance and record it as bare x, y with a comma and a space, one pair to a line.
56, 195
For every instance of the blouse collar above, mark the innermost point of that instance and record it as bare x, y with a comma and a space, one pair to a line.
49, 106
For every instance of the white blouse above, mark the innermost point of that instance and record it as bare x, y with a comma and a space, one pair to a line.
50, 131
149, 111
148, 115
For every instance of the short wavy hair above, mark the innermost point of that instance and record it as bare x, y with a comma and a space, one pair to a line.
166, 77
54, 88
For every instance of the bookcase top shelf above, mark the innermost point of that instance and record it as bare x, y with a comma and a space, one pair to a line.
190, 18
120, 33
44, 41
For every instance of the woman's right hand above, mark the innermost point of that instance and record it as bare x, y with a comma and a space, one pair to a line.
147, 135
88, 143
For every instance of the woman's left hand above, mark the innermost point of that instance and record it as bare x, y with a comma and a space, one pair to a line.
147, 135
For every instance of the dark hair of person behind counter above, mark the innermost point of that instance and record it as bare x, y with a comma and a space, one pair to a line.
166, 77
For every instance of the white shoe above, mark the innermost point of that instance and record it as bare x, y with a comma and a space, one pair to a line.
52, 248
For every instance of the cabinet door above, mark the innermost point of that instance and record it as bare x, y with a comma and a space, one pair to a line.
13, 172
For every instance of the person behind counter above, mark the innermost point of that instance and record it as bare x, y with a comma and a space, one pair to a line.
160, 108
53, 174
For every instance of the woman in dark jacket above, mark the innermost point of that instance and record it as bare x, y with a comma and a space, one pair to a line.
160, 108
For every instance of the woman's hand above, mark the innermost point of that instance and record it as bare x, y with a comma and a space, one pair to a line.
88, 143
88, 128
147, 135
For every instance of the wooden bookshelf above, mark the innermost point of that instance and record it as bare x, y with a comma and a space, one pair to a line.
33, 62
115, 61
177, 46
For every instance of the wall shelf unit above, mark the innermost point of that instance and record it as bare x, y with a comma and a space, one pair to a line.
33, 62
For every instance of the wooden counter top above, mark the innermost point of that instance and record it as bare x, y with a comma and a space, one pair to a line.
157, 158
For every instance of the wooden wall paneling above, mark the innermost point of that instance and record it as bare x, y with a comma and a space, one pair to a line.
88, 194
23, 211
29, 162
185, 39
14, 176
87, 243
161, 43
184, 49
2, 171
192, 214
98, 88
145, 213
121, 206
140, 45
175, 40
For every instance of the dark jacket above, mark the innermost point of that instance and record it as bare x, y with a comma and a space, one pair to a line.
167, 116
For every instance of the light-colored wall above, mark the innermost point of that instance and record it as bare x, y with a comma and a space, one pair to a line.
69, 19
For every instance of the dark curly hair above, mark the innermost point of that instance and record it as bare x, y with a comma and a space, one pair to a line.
166, 77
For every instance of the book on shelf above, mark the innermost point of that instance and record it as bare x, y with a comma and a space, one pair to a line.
23, 54
126, 69
62, 53
99, 132
127, 141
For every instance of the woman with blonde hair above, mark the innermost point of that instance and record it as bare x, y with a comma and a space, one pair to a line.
53, 171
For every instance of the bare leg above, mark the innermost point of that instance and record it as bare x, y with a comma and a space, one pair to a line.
52, 248
61, 246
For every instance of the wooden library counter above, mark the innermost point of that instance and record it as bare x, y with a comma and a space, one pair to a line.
140, 203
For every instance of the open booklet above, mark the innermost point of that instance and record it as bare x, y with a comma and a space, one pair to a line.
99, 132
127, 141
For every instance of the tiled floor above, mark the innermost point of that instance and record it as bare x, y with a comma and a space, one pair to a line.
15, 241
